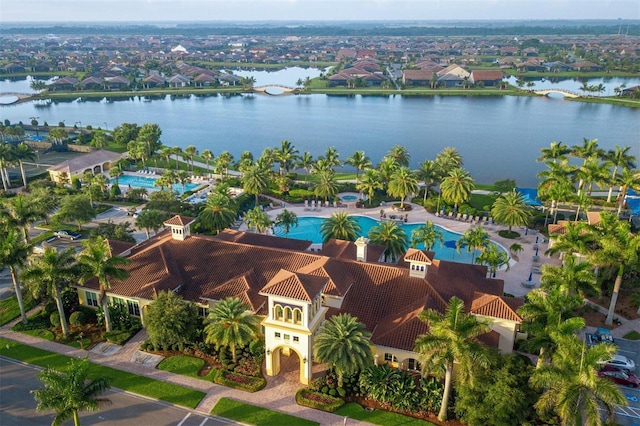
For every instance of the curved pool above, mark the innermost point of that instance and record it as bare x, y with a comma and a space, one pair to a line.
309, 229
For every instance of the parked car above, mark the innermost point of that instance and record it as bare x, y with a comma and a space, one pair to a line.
64, 233
602, 335
621, 377
620, 362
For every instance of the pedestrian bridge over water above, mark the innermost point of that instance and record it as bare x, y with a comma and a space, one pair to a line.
565, 93
275, 89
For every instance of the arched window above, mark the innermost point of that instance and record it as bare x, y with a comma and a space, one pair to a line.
390, 357
278, 313
287, 314
297, 316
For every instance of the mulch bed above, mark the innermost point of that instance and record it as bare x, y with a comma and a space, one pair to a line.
375, 405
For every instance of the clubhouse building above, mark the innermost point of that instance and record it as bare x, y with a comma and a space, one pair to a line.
295, 289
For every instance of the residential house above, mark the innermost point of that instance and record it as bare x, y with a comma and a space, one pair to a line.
486, 77
295, 290
586, 66
95, 162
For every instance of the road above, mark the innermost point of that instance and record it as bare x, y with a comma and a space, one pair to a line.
17, 406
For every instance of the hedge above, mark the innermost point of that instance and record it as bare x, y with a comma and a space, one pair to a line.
317, 400
239, 381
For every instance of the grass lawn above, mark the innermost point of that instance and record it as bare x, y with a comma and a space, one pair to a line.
43, 334
480, 201
130, 382
252, 415
10, 310
378, 417
185, 365
632, 335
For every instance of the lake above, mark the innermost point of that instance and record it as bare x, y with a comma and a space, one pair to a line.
499, 136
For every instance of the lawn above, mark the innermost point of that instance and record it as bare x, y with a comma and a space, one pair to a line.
10, 310
185, 365
253, 415
378, 417
120, 379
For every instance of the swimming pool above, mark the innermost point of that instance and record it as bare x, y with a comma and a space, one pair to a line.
309, 229
148, 183
349, 198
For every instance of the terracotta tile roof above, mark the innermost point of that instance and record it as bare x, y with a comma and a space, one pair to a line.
416, 255
86, 161
339, 278
401, 329
179, 220
493, 306
294, 286
479, 75
119, 248
263, 240
347, 250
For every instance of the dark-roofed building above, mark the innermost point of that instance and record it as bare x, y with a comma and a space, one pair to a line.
295, 289
95, 162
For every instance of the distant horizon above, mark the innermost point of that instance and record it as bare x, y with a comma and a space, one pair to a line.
200, 11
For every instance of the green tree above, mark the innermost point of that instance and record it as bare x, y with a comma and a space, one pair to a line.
619, 158
452, 338
556, 152
258, 220
207, 156
96, 261
360, 161
151, 220
326, 185
473, 239
219, 211
448, 159
76, 208
494, 258
344, 344
286, 156
22, 211
114, 231
99, 139
172, 321
386, 168
23, 152
287, 220
305, 161
231, 324
572, 277
629, 179
392, 236
369, 183
428, 174
571, 386
340, 226
71, 391
255, 180
427, 234
52, 273
456, 187
403, 183
13, 254
191, 151
511, 209
400, 154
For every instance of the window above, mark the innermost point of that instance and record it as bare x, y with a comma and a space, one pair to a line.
92, 298
278, 335
279, 313
287, 337
134, 307
203, 312
297, 315
390, 357
296, 339
287, 314
116, 301
413, 364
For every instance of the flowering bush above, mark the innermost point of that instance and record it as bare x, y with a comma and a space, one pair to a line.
312, 399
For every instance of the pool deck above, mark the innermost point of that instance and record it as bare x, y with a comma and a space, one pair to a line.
515, 279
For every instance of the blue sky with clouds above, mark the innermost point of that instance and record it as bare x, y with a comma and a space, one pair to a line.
311, 10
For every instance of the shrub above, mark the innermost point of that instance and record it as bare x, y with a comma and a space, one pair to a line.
239, 381
311, 399
54, 319
77, 318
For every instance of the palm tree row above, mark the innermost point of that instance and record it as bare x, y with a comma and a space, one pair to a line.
14, 154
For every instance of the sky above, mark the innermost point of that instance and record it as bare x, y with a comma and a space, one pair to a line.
310, 10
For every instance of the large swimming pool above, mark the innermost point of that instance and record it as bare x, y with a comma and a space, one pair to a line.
148, 183
309, 229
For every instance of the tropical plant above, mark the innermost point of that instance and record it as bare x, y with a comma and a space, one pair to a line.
219, 210
573, 277
429, 174
326, 185
286, 155
427, 234
305, 161
23, 152
172, 321
52, 273
456, 187
258, 220
255, 180
360, 161
511, 209
344, 344
629, 179
369, 183
191, 151
494, 258
392, 236
340, 226
557, 151
403, 183
400, 154
21, 211
473, 239
76, 208
231, 324
13, 253
448, 159
619, 158
151, 219
287, 220
71, 391
96, 261
452, 338
386, 167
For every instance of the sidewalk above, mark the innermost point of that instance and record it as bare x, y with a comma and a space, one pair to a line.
279, 395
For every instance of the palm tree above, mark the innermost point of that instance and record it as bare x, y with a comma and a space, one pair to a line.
340, 226
572, 277
427, 173
13, 253
511, 209
258, 220
617, 248
574, 240
545, 313
191, 151
344, 344
473, 239
219, 211
286, 155
456, 187
400, 154
24, 152
305, 161
572, 388
71, 391
427, 234
589, 173
231, 324
287, 220
557, 151
255, 180
629, 179
452, 338
360, 161
97, 261
207, 156
448, 159
224, 160
369, 183
52, 273
589, 149
166, 153
386, 167
392, 236
151, 219
326, 185
115, 173
556, 189
331, 157
403, 183
494, 258
619, 158
21, 211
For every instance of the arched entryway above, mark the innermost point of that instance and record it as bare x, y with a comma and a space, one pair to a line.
285, 360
